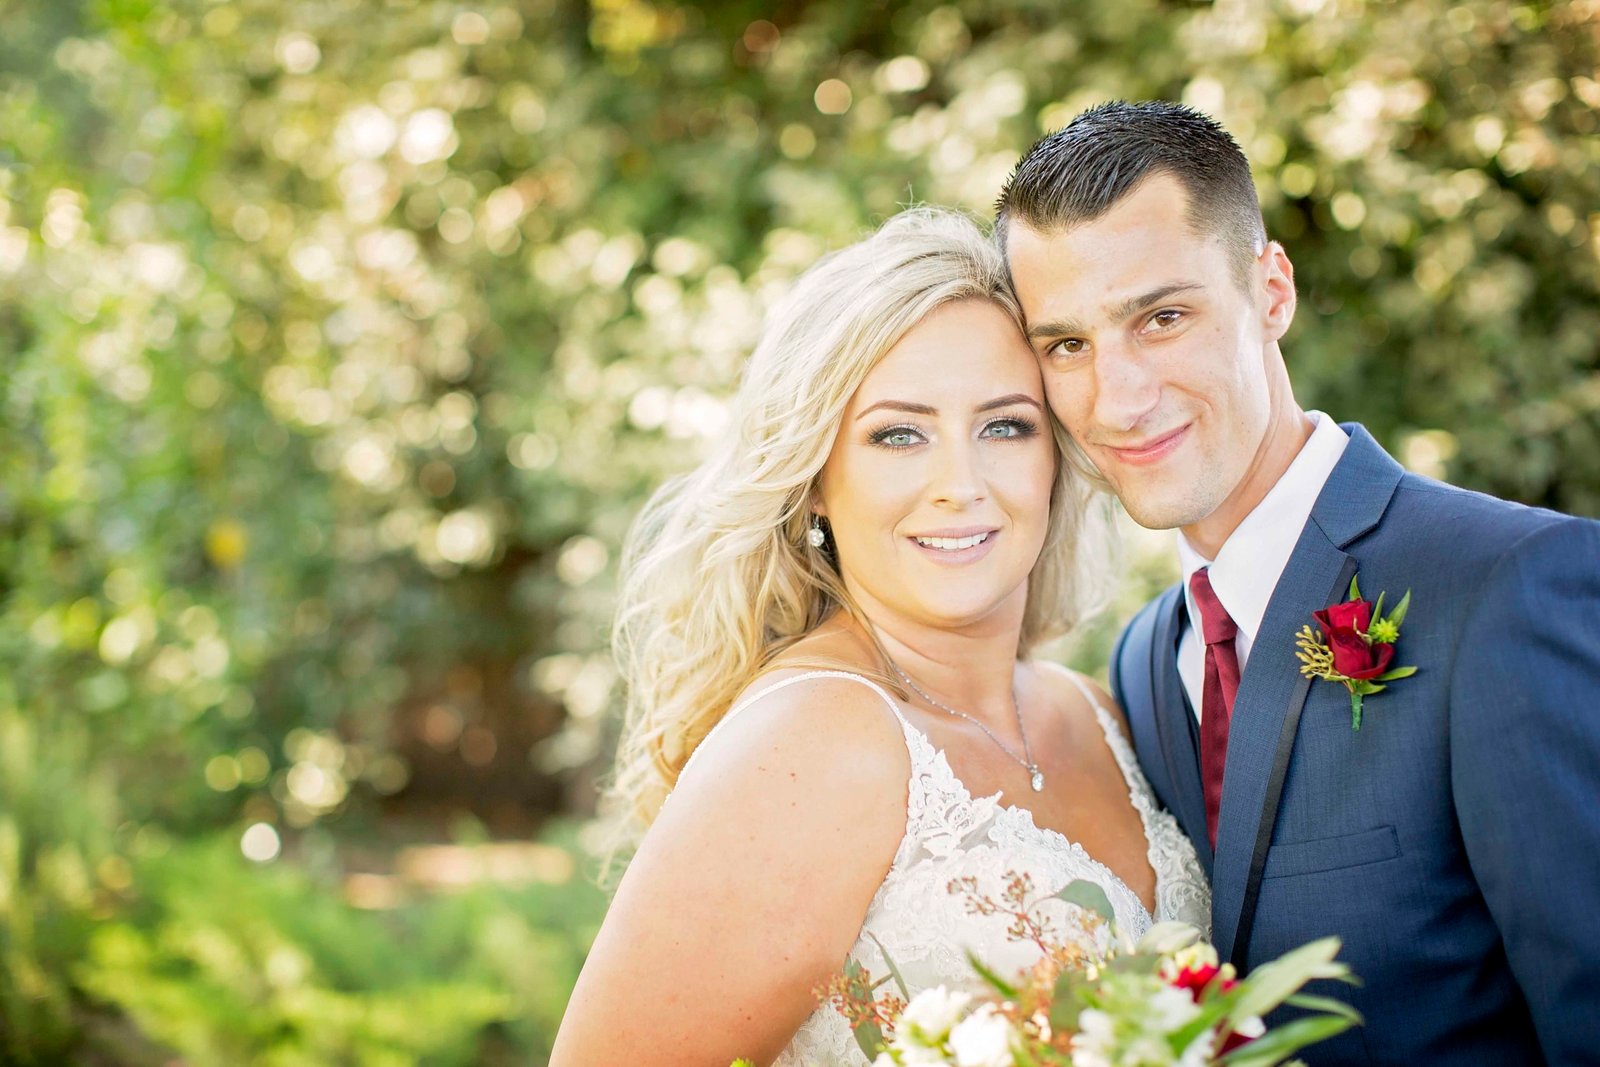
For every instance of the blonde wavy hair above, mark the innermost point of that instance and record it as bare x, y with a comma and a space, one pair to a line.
717, 575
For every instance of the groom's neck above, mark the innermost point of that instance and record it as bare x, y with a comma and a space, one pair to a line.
1286, 435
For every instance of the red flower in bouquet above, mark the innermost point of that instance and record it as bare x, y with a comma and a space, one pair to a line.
1196, 979
1094, 998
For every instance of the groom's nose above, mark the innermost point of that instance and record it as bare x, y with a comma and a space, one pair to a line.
1126, 388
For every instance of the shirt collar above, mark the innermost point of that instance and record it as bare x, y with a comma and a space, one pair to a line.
1252, 559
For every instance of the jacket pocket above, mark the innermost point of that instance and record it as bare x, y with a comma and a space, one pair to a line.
1332, 853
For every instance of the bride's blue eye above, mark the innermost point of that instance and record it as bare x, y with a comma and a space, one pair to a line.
1010, 429
895, 436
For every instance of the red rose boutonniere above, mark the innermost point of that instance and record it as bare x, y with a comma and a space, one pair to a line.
1358, 648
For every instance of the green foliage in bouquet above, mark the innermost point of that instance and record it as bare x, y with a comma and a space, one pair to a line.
1163, 1000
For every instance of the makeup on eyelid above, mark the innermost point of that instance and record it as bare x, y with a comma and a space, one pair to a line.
1025, 428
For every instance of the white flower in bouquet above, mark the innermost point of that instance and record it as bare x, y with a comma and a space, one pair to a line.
1171, 1008
927, 1020
1165, 1001
1131, 1029
983, 1039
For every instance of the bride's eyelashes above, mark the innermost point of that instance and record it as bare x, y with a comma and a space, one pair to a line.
895, 437
1016, 427
900, 436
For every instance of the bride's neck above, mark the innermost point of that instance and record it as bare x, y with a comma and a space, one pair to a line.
971, 668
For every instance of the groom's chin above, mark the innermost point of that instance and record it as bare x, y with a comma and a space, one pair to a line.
1155, 510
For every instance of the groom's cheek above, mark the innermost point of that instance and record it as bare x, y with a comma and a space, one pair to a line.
1065, 399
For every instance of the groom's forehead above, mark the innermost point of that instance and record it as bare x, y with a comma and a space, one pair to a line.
1078, 275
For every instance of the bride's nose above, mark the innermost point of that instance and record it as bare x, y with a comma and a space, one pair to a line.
958, 480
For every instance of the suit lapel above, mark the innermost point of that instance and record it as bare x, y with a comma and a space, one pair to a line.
1176, 727
1272, 692
1266, 714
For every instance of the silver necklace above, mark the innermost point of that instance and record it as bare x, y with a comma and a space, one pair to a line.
1035, 775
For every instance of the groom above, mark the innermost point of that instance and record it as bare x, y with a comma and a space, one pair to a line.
1453, 840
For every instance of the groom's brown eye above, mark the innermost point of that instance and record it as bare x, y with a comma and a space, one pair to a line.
1070, 346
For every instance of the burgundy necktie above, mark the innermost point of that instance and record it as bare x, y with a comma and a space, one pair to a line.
1216, 699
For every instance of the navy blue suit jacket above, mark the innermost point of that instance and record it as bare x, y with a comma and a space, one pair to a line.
1453, 842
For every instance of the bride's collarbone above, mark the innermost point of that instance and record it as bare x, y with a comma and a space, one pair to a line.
1085, 799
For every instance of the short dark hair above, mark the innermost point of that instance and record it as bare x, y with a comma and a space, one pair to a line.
1078, 173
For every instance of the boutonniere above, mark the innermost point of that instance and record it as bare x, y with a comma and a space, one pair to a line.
1358, 649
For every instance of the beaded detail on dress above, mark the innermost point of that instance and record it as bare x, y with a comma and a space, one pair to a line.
951, 834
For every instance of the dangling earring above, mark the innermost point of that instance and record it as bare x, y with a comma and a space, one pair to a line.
814, 536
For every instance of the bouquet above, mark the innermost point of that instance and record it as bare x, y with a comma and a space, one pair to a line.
1094, 1000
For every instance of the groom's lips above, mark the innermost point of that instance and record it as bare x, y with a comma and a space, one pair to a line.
1151, 451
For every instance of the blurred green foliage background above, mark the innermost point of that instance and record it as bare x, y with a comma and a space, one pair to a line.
341, 339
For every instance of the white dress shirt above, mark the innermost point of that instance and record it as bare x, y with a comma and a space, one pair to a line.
1251, 560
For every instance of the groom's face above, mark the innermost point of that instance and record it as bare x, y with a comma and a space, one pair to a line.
1155, 355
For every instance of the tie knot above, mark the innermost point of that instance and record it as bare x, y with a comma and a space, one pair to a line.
1216, 625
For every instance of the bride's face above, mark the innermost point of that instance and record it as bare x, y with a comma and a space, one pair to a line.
938, 485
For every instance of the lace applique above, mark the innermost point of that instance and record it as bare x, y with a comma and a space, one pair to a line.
951, 835
1182, 892
942, 811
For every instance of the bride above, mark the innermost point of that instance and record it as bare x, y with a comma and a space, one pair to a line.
832, 714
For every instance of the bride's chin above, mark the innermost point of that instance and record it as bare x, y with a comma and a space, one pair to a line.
957, 613
941, 600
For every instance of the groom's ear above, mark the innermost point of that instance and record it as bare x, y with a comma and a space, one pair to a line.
1275, 276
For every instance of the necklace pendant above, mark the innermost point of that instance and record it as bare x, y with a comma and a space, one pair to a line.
1037, 780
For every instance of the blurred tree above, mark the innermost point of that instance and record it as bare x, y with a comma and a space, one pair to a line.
343, 340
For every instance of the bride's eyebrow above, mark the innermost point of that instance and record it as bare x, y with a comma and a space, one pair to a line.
898, 405
1009, 399
926, 409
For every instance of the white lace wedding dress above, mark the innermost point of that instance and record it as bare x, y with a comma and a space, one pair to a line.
951, 834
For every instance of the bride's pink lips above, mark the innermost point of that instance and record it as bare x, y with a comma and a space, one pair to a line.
958, 556
1151, 451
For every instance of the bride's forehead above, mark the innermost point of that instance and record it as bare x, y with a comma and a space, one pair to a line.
951, 380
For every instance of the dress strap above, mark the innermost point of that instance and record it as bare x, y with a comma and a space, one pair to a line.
1127, 760
1072, 676
784, 684
806, 677
1121, 750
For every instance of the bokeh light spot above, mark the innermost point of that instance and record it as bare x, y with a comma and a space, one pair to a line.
833, 97
260, 843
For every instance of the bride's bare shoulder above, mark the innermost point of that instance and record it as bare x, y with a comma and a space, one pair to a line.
761, 865
1076, 693
804, 729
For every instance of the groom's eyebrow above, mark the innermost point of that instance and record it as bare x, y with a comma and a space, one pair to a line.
1134, 304
1117, 312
